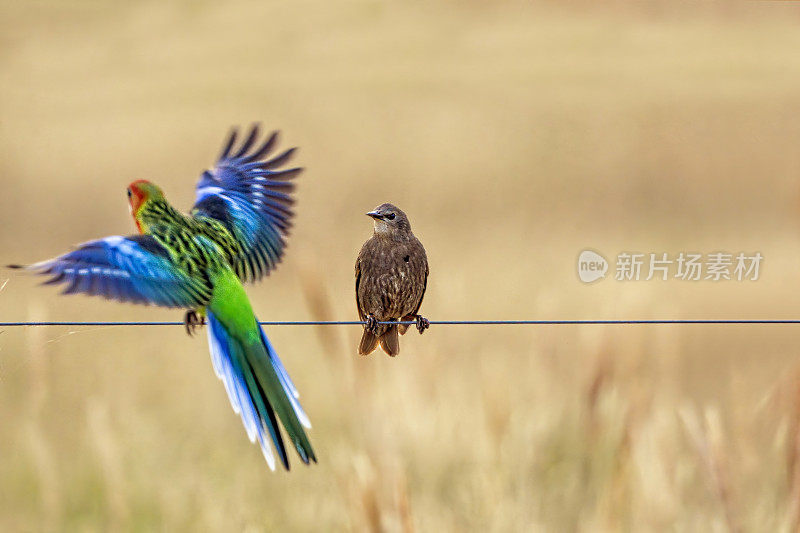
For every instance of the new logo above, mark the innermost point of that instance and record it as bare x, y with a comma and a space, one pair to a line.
591, 266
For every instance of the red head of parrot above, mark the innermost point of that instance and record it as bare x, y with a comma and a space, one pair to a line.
139, 193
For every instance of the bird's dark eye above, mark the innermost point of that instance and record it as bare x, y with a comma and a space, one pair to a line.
390, 216
129, 193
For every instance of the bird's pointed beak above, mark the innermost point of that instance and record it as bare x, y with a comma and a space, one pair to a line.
375, 215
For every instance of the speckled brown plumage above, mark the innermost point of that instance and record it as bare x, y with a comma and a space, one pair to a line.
391, 277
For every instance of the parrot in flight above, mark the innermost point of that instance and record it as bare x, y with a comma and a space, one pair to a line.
234, 234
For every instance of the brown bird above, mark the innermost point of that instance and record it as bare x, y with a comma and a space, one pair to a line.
391, 277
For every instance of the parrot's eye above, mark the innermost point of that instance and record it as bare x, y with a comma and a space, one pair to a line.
129, 193
390, 216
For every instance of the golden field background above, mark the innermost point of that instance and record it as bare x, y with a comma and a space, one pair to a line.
514, 136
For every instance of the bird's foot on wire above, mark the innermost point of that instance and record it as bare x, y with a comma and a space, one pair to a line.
371, 324
422, 324
192, 321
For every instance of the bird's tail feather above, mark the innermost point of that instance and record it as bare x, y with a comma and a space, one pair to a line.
259, 388
402, 328
390, 342
369, 341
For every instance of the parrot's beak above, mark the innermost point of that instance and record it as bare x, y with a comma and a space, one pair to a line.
375, 215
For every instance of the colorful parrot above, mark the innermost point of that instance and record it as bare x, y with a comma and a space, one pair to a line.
234, 234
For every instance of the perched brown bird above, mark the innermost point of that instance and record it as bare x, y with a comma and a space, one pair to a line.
391, 277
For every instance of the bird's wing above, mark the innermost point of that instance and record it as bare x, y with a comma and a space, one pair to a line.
247, 193
358, 282
424, 287
134, 269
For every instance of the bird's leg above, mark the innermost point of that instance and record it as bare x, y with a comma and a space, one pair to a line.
371, 324
422, 324
192, 320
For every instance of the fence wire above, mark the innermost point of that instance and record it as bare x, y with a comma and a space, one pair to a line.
432, 322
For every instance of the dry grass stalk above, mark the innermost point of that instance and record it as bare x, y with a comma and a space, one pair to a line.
706, 436
102, 437
792, 518
319, 306
40, 447
404, 505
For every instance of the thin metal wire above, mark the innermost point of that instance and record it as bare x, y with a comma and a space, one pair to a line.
432, 322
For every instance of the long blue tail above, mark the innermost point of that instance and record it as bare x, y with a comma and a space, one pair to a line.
259, 388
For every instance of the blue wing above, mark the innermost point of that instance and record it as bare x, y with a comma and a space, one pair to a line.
252, 199
134, 269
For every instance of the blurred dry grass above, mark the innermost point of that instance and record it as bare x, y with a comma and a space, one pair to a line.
513, 136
